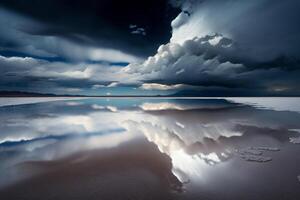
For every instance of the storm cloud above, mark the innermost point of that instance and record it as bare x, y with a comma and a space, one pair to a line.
187, 47
244, 48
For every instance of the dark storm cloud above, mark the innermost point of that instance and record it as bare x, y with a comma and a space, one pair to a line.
228, 47
101, 23
264, 29
218, 68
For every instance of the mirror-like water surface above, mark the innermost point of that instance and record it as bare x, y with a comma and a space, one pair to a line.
93, 148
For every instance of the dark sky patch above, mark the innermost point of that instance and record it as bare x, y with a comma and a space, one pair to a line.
102, 23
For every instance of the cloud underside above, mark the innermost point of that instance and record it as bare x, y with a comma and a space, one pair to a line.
202, 63
199, 64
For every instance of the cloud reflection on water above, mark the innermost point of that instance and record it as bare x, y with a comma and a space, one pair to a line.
194, 134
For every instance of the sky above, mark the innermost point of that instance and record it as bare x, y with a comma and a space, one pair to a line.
151, 47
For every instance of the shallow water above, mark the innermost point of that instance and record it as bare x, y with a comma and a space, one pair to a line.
95, 148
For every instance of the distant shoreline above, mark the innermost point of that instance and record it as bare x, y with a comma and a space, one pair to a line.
18, 94
154, 97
